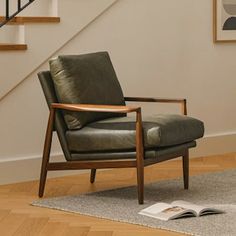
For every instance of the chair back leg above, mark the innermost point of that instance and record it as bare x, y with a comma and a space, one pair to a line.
185, 162
46, 152
92, 175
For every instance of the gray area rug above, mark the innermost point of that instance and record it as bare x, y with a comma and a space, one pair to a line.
216, 190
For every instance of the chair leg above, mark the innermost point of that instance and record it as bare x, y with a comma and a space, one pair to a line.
186, 169
46, 153
92, 176
43, 176
140, 181
139, 157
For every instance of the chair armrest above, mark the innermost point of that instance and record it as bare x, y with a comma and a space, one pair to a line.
96, 108
147, 99
182, 101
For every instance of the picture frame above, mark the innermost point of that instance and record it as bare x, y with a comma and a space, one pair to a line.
224, 21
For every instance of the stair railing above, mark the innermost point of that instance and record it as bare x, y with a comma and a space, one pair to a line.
20, 7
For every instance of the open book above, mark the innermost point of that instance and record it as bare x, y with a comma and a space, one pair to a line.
177, 209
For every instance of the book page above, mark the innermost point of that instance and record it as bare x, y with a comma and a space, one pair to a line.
200, 210
188, 205
156, 208
165, 211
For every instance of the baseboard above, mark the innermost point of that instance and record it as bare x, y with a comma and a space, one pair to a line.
215, 145
26, 169
20, 170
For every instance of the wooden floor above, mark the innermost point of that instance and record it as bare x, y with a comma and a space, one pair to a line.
17, 217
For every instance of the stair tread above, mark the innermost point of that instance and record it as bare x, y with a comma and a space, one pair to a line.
12, 46
32, 19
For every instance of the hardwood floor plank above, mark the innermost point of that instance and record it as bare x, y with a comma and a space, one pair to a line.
54, 229
77, 231
10, 224
31, 226
3, 214
100, 233
141, 233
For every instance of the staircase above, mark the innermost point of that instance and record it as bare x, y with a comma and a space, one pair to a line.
38, 32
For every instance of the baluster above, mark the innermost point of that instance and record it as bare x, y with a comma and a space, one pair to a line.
19, 5
7, 9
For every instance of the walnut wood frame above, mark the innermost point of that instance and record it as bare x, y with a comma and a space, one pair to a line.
139, 163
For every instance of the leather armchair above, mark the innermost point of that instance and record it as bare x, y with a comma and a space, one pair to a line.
89, 114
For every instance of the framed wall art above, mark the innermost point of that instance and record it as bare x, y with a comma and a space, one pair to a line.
224, 22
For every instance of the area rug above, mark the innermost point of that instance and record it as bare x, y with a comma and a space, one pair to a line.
216, 190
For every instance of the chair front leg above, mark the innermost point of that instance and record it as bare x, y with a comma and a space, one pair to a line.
139, 157
185, 162
46, 152
92, 175
140, 181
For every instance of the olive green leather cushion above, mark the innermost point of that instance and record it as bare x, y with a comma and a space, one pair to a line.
160, 154
118, 134
86, 79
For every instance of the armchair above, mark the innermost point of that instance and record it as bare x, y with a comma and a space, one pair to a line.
89, 114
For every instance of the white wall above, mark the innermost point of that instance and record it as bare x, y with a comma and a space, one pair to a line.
158, 48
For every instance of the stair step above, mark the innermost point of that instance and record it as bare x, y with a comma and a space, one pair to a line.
19, 20
32, 19
10, 46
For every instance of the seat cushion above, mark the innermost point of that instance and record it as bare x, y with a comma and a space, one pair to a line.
161, 154
86, 79
118, 134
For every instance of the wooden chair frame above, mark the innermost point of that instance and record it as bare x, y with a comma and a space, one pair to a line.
139, 163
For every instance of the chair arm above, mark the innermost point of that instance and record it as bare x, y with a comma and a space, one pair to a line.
110, 108
148, 99
96, 108
182, 101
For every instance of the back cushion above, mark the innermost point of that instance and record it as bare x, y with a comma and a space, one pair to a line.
86, 79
